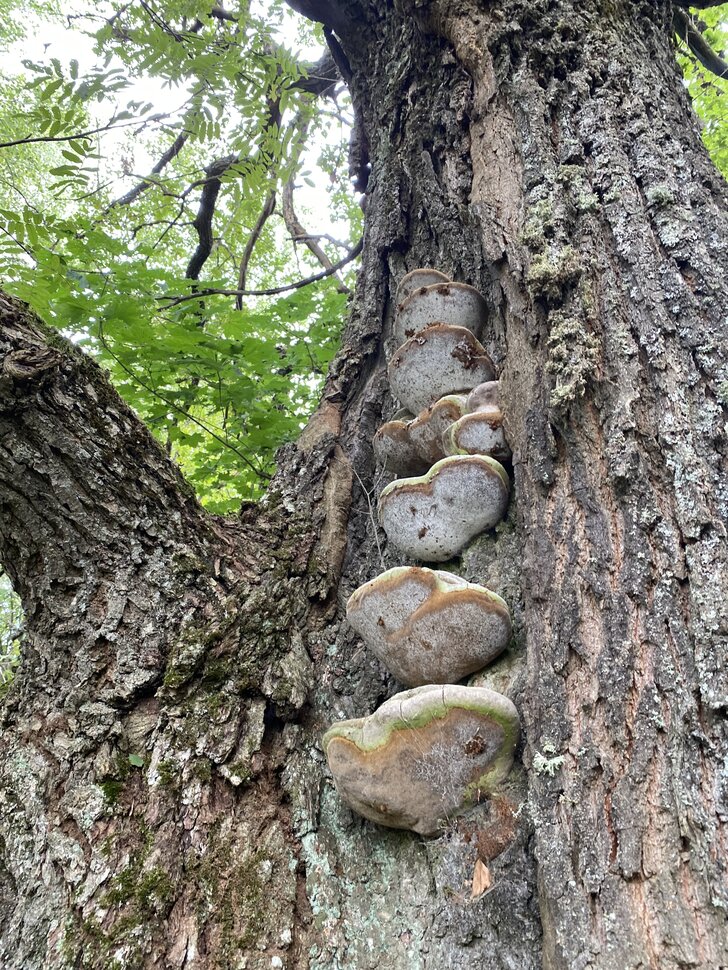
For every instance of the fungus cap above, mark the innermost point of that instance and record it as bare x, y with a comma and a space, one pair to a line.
441, 360
424, 756
485, 395
433, 517
454, 303
395, 450
411, 447
428, 626
479, 433
418, 279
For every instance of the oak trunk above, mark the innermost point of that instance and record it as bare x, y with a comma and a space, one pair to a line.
164, 801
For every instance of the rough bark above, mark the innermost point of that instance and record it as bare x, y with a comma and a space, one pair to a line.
542, 150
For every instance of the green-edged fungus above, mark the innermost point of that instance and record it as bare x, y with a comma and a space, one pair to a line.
454, 303
418, 279
480, 433
425, 756
428, 626
432, 518
411, 447
440, 360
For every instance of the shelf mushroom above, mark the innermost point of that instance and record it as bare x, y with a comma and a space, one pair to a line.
424, 756
429, 626
453, 303
441, 359
410, 447
433, 517
418, 279
480, 433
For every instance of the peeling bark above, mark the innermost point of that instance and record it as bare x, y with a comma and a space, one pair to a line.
544, 151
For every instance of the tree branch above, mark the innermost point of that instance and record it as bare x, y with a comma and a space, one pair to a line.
299, 234
203, 220
172, 301
686, 30
217, 13
146, 183
85, 491
325, 12
321, 77
699, 4
81, 134
267, 211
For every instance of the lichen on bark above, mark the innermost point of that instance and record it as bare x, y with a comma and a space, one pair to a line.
499, 135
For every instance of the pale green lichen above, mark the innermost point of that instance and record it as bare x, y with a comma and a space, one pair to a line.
433, 703
547, 766
538, 224
551, 273
659, 196
573, 353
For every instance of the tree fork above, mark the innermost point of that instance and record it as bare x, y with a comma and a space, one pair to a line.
164, 669
544, 152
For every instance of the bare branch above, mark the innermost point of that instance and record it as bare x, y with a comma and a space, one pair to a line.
217, 13
324, 11
172, 301
268, 208
687, 31
299, 234
146, 183
203, 220
699, 4
28, 140
321, 77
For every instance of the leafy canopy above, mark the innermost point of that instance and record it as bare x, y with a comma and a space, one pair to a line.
163, 153
116, 201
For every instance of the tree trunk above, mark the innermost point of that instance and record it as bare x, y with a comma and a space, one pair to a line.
165, 802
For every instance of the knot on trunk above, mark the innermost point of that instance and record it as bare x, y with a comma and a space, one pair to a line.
30, 363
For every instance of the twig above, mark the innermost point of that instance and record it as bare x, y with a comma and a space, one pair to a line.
299, 234
372, 516
173, 301
147, 182
265, 214
80, 134
155, 393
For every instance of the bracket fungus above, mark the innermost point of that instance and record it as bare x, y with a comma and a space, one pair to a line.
411, 447
440, 360
417, 280
480, 433
453, 303
424, 756
485, 395
395, 451
428, 626
433, 517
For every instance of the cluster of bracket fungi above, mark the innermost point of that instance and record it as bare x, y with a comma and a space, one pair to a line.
431, 752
